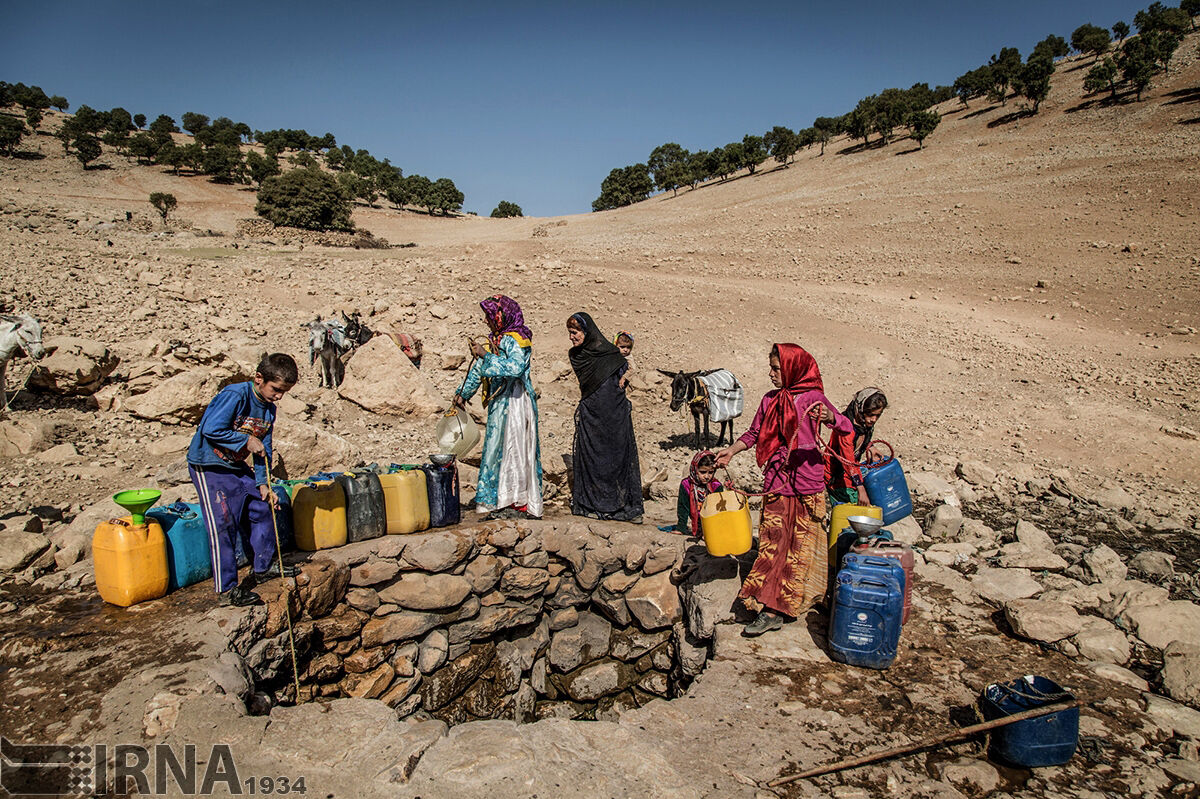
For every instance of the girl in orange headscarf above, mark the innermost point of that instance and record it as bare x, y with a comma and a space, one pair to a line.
789, 575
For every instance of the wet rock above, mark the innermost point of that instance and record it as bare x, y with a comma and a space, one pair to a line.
611, 605
654, 602
420, 591
944, 523
1181, 671
595, 680
586, 641
1003, 585
381, 379
76, 366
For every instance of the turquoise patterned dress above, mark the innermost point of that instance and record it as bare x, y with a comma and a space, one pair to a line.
510, 471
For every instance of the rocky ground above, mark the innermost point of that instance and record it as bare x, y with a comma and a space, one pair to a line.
1025, 291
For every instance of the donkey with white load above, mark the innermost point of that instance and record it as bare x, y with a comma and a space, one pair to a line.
715, 395
327, 341
18, 333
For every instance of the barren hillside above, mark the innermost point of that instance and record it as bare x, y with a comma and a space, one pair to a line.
1025, 290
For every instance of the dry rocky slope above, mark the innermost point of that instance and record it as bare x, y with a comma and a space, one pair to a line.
1025, 291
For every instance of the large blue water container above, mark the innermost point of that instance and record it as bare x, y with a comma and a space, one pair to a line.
871, 564
887, 488
848, 539
865, 627
189, 553
441, 484
1048, 740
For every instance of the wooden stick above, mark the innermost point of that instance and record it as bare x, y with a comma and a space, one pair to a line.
965, 732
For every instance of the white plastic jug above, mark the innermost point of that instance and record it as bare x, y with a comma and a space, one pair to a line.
457, 433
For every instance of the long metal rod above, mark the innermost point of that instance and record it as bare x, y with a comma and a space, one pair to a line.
957, 735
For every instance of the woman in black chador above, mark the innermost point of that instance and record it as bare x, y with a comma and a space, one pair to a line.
608, 479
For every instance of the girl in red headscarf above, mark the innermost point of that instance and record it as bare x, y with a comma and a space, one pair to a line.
789, 575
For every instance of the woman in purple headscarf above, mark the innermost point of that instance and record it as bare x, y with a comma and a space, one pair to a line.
510, 471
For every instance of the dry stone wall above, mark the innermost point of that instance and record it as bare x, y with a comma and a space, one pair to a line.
512, 620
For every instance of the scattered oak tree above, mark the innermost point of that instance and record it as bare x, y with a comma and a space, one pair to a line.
505, 209
921, 124
304, 198
1033, 81
1120, 29
1102, 76
163, 203
87, 148
12, 130
1092, 39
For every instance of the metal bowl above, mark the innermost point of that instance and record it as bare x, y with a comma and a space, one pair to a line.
864, 525
441, 459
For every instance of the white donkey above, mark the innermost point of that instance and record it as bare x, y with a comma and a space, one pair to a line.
18, 332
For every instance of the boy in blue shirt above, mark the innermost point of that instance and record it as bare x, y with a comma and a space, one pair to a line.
236, 499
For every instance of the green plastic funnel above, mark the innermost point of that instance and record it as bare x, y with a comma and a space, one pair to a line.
137, 501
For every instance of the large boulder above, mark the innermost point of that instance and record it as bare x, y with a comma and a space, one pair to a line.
302, 448
24, 436
18, 549
381, 379
1181, 671
180, 399
1160, 625
1042, 620
75, 366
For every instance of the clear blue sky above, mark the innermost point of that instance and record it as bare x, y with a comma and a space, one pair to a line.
532, 102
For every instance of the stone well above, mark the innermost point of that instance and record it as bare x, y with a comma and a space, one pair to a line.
504, 620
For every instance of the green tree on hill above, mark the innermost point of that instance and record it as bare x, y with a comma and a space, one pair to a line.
1158, 17
163, 203
304, 198
59, 102
1092, 39
975, 83
1102, 76
1004, 70
505, 210
624, 186
1033, 81
754, 152
163, 124
87, 148
144, 147
861, 121
697, 167
1053, 46
782, 143
193, 122
12, 130
261, 167
139, 120
33, 117
826, 128
446, 197
1191, 8
668, 165
1120, 29
921, 124
891, 109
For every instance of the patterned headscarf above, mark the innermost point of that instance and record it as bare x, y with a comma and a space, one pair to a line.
799, 373
626, 334
862, 432
504, 316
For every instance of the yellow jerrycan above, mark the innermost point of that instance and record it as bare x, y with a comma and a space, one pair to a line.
725, 522
405, 500
319, 515
843, 511
130, 561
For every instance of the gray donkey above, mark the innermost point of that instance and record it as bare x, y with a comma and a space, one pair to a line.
18, 332
327, 341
